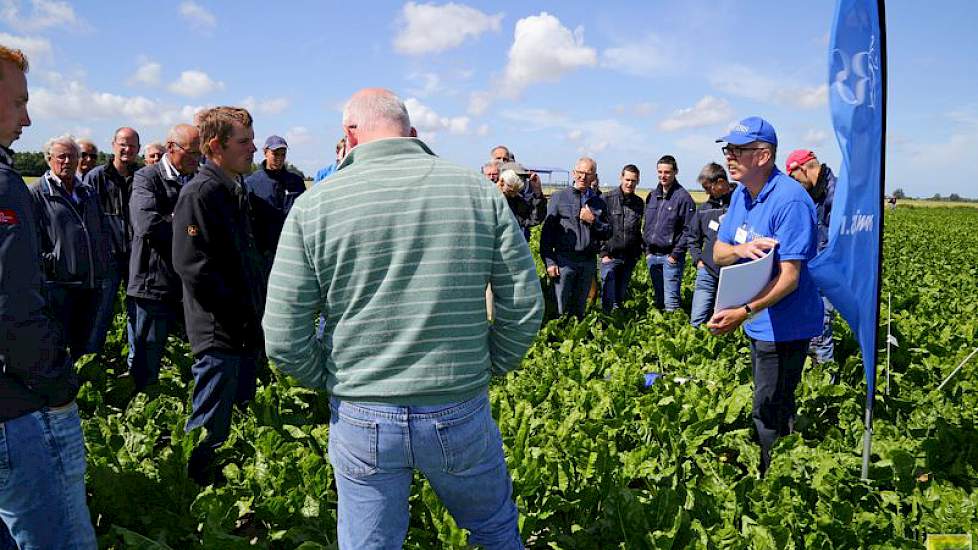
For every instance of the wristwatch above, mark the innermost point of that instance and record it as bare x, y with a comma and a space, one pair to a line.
750, 312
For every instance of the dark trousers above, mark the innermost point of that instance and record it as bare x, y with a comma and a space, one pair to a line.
615, 276
573, 284
777, 372
222, 380
151, 322
73, 308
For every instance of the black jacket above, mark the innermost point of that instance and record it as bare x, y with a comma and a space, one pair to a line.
529, 210
73, 238
702, 234
625, 213
151, 274
221, 270
113, 191
35, 371
271, 194
564, 235
666, 218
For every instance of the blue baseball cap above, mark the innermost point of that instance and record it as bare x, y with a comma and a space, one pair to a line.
276, 142
749, 130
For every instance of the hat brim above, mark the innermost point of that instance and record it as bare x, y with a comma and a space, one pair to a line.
736, 139
276, 147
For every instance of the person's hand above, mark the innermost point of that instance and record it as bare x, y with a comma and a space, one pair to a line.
586, 215
726, 320
535, 184
671, 260
553, 271
755, 249
607, 259
700, 264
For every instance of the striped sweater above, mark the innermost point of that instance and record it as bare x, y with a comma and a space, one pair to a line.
396, 250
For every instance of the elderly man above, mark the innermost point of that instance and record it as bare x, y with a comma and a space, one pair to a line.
42, 498
113, 183
668, 210
272, 189
88, 158
500, 154
576, 223
819, 181
769, 214
529, 204
491, 170
153, 286
621, 252
154, 152
702, 236
410, 351
223, 280
72, 242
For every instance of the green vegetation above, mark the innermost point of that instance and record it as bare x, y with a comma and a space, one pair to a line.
597, 460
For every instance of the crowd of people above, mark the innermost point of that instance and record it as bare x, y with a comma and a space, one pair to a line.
243, 261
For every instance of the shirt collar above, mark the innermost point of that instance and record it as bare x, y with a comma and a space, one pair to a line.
169, 172
769, 186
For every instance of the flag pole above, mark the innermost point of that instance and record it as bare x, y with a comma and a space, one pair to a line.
870, 396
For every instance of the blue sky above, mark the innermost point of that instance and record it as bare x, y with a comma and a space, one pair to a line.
624, 82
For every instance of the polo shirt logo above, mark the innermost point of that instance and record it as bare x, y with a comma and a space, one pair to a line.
8, 217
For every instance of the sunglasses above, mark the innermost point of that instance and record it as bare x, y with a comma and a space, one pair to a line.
89, 155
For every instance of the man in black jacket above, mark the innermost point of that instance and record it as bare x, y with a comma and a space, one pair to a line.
701, 237
668, 210
73, 249
42, 500
621, 252
223, 279
153, 287
113, 183
272, 189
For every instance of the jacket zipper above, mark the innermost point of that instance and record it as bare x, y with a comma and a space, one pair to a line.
88, 237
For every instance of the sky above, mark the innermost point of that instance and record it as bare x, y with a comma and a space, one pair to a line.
622, 82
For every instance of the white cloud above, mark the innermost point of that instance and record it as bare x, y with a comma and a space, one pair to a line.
36, 48
299, 135
45, 14
642, 109
430, 83
198, 16
707, 111
149, 73
743, 81
589, 136
815, 139
483, 130
75, 102
543, 50
429, 28
643, 58
195, 84
271, 106
428, 121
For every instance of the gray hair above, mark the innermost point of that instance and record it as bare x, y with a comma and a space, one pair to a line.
67, 140
713, 172
491, 164
372, 111
155, 145
511, 180
593, 162
85, 142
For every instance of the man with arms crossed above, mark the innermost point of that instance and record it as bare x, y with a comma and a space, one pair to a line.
769, 213
409, 353
702, 236
42, 500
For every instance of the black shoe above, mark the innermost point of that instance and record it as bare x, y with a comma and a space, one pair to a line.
200, 466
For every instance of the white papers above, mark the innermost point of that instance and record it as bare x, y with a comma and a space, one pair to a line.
740, 283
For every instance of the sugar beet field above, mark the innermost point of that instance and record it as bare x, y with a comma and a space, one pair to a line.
597, 460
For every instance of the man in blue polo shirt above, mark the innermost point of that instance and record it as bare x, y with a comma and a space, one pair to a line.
770, 213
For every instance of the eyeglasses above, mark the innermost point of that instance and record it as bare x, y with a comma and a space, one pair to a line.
190, 152
65, 157
583, 173
735, 151
89, 155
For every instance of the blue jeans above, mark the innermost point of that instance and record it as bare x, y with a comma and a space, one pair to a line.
573, 285
105, 309
667, 280
151, 322
42, 480
704, 297
374, 449
822, 346
615, 276
221, 380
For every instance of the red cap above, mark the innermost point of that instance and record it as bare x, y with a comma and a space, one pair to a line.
797, 158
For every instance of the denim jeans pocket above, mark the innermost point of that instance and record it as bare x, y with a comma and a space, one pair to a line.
352, 445
464, 440
62, 426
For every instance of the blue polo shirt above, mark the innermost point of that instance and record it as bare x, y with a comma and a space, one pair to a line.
782, 211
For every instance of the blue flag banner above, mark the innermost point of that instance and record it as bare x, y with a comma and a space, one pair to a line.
848, 270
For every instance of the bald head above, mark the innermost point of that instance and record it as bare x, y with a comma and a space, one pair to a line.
183, 148
375, 113
182, 133
125, 146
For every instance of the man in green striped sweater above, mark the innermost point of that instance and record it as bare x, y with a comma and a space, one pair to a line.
407, 353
